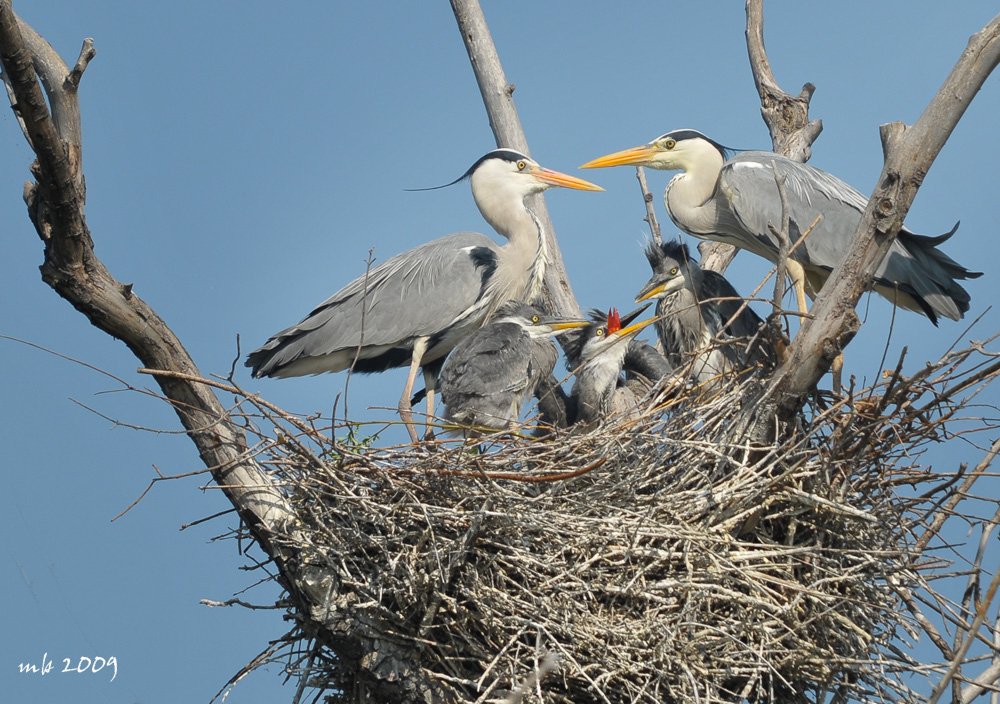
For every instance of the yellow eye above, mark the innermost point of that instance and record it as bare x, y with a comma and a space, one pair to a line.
673, 271
534, 318
521, 165
600, 332
669, 144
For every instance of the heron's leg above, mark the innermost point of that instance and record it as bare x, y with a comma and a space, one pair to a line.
405, 409
837, 369
430, 384
798, 276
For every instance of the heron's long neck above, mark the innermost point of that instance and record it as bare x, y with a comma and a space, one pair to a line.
689, 199
521, 264
596, 382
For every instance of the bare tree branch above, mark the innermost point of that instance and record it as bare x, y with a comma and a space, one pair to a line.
786, 117
784, 245
56, 207
74, 271
499, 101
909, 153
647, 198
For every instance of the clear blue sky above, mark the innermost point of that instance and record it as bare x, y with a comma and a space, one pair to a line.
243, 157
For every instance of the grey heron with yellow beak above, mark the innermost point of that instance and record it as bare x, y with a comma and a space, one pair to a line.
411, 310
731, 197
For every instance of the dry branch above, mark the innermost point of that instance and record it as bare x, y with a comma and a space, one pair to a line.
909, 153
786, 117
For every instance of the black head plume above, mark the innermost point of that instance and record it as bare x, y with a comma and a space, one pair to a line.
503, 153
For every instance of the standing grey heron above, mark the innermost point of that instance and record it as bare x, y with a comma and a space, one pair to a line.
596, 355
732, 197
411, 310
491, 373
693, 308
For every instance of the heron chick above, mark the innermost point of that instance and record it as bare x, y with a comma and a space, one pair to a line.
693, 307
411, 310
732, 197
491, 373
596, 355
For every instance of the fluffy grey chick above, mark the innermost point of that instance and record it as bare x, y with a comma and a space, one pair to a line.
490, 374
693, 306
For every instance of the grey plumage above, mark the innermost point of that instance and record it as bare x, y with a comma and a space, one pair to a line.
412, 309
492, 372
693, 306
596, 355
734, 199
644, 364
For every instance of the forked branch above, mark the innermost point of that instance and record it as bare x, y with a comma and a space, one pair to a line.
909, 153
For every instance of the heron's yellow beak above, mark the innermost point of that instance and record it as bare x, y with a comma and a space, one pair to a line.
555, 178
634, 327
638, 156
650, 292
568, 324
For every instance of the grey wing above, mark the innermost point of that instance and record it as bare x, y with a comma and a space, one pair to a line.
715, 285
643, 360
745, 326
914, 266
414, 294
489, 368
747, 181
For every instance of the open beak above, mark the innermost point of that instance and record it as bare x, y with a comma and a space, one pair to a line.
629, 317
555, 178
639, 156
633, 329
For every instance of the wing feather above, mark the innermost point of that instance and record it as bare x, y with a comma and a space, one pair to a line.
421, 292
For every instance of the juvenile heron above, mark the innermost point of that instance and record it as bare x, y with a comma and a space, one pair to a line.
693, 306
492, 372
596, 354
731, 199
411, 310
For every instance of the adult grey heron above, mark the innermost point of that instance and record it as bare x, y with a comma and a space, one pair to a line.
732, 197
491, 373
693, 308
596, 355
411, 310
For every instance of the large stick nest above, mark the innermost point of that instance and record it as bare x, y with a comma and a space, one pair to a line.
686, 555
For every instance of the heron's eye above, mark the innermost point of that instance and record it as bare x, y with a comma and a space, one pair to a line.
669, 144
673, 271
600, 332
521, 165
534, 318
